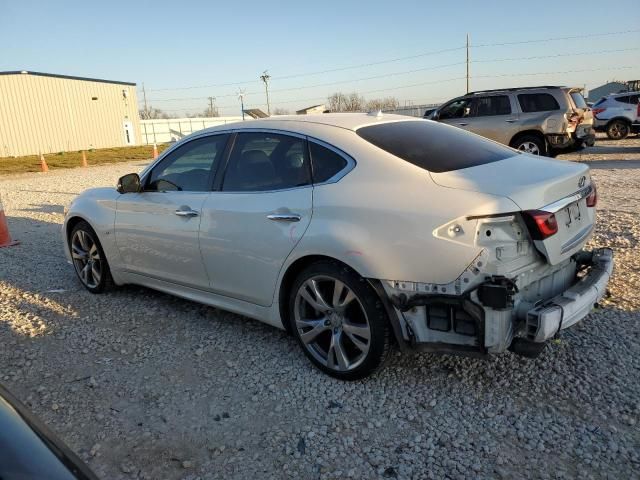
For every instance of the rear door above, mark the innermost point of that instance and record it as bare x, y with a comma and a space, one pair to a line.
258, 213
157, 229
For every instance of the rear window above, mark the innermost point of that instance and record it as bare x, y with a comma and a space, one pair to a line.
537, 102
434, 147
599, 102
578, 100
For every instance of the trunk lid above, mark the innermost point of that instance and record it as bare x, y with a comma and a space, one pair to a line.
536, 183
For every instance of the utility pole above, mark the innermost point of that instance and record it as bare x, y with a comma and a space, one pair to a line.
467, 63
241, 98
265, 78
144, 95
212, 112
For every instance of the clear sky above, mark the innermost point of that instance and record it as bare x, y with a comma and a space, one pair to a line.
219, 47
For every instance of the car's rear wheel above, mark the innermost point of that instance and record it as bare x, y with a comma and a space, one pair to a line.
89, 259
339, 321
618, 130
530, 144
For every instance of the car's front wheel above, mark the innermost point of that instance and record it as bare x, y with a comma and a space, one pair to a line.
89, 259
618, 130
339, 321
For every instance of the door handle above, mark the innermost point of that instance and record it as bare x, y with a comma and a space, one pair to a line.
511, 120
463, 124
284, 217
186, 213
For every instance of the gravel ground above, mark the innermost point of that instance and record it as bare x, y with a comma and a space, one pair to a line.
143, 385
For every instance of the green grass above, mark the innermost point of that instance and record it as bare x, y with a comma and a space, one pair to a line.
31, 163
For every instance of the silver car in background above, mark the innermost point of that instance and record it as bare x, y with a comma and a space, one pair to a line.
538, 120
618, 115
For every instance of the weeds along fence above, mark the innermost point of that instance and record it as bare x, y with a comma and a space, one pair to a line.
163, 130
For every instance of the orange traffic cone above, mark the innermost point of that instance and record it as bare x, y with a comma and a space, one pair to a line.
84, 158
43, 164
155, 151
5, 238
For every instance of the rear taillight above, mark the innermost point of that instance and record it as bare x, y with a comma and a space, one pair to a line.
596, 111
592, 198
574, 118
541, 224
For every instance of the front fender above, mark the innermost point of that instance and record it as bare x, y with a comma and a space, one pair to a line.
97, 207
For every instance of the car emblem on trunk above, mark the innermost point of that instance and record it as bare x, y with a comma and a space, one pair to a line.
582, 181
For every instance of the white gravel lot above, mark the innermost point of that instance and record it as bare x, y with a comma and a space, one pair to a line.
144, 385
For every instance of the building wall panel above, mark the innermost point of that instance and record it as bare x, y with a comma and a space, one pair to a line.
44, 114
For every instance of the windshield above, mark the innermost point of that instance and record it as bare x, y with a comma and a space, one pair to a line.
433, 146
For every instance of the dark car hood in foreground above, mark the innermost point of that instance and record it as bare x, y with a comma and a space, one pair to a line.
30, 451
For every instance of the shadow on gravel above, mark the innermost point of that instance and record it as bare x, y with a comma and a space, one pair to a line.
45, 208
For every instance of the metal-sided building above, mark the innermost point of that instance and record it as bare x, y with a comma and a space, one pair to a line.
46, 113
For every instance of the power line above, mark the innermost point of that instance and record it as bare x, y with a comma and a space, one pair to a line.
386, 75
553, 39
398, 59
447, 80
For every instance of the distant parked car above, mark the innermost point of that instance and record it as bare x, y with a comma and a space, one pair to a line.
350, 230
618, 115
30, 451
537, 120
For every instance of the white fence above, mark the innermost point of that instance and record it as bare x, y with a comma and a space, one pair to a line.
171, 129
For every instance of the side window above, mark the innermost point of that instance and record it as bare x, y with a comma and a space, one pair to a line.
266, 161
537, 102
326, 163
633, 99
488, 106
190, 167
624, 99
456, 109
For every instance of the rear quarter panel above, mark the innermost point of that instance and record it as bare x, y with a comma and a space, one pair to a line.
381, 217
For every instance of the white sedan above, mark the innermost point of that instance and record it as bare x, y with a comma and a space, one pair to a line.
354, 232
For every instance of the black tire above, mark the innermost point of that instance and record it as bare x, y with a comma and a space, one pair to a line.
367, 301
618, 130
523, 143
105, 281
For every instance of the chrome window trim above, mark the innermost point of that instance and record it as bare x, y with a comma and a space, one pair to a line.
351, 163
558, 205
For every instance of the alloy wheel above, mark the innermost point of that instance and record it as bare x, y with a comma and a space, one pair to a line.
86, 258
618, 130
529, 147
332, 323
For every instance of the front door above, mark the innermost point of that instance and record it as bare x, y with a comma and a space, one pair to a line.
157, 229
262, 210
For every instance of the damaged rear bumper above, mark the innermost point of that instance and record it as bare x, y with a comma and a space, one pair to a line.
572, 305
496, 315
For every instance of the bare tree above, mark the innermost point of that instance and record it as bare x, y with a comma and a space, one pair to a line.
340, 102
152, 114
281, 111
211, 112
388, 103
353, 102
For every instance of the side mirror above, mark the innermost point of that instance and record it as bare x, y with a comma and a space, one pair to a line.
130, 183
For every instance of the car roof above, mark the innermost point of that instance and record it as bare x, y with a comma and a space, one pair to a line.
348, 121
623, 94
